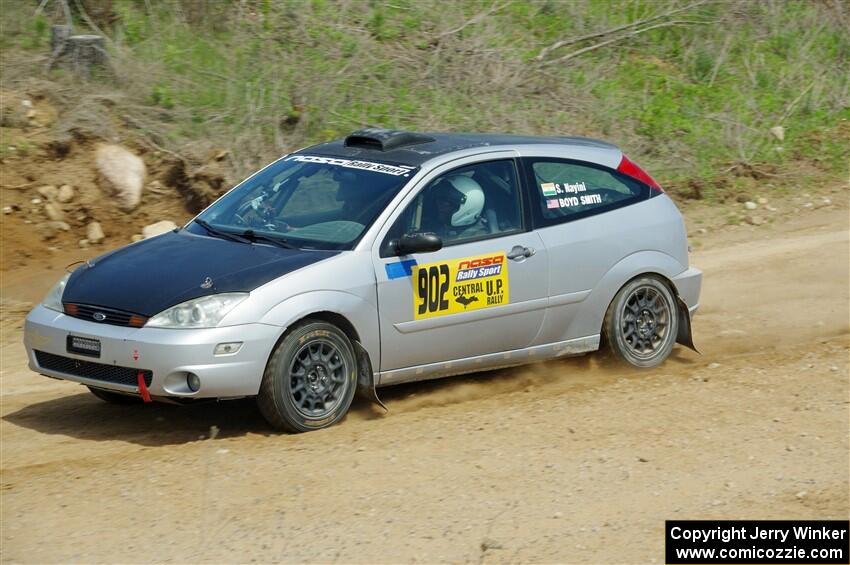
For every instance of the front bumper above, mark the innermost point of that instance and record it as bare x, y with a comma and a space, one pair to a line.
169, 354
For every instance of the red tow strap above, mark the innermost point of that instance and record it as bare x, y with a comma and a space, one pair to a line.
143, 388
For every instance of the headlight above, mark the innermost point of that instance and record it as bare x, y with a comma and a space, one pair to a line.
204, 312
53, 300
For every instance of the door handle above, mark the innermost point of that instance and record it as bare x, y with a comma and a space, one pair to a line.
518, 253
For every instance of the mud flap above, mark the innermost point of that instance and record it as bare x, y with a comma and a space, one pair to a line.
365, 376
684, 336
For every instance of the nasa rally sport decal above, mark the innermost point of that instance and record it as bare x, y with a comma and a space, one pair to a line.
460, 285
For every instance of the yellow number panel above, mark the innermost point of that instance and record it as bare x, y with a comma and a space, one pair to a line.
460, 285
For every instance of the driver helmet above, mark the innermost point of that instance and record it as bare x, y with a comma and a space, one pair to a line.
468, 197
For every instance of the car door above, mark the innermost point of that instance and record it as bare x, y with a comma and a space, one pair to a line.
483, 292
581, 212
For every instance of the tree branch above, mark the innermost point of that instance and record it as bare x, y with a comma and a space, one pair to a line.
790, 109
89, 21
601, 44
636, 23
475, 19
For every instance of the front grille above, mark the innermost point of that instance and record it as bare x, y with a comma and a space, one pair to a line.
104, 315
90, 370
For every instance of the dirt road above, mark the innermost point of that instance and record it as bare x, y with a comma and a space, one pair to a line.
570, 461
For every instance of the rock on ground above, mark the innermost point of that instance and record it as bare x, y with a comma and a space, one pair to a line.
54, 212
58, 225
122, 174
94, 233
778, 132
48, 191
158, 228
66, 193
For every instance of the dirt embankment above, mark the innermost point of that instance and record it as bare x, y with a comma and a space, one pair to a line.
568, 461
53, 193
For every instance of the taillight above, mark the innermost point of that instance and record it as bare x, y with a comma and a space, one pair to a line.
630, 168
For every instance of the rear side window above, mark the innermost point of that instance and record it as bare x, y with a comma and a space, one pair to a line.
564, 190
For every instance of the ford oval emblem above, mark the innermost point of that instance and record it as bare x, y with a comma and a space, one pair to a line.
99, 316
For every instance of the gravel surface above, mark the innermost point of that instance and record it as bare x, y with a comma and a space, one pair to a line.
572, 461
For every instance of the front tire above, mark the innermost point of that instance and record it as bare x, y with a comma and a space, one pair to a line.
310, 379
641, 324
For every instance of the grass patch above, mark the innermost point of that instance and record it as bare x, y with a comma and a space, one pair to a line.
688, 100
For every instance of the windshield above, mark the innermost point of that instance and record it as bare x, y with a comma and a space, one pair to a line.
307, 201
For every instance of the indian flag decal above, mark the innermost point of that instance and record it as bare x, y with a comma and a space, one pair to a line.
548, 189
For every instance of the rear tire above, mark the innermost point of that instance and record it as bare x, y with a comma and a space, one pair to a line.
115, 397
642, 322
310, 379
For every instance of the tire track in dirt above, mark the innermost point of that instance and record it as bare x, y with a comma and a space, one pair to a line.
574, 460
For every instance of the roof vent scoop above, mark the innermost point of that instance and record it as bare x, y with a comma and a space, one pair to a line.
385, 139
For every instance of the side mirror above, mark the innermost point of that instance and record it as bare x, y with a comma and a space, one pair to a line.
418, 243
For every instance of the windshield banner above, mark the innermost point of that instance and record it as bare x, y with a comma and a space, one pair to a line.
395, 170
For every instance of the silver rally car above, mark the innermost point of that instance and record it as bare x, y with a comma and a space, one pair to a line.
382, 258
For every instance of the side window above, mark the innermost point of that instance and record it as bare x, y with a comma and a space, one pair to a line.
473, 202
566, 190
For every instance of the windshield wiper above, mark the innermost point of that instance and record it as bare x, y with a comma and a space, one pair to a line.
280, 242
221, 233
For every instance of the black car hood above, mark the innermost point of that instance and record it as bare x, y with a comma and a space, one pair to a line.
157, 273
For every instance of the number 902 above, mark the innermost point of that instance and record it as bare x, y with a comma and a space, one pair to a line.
433, 285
